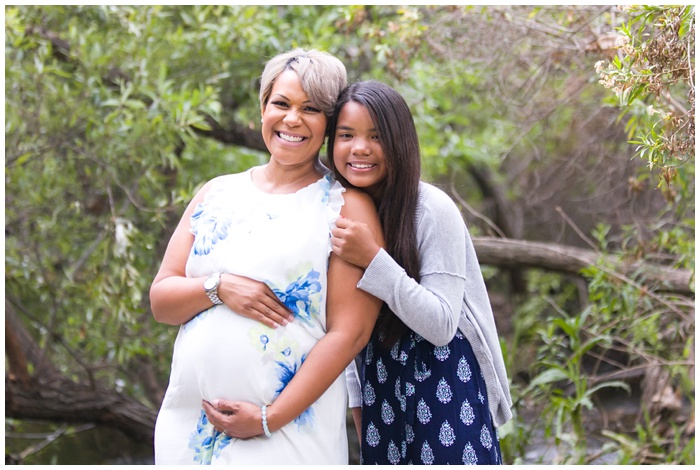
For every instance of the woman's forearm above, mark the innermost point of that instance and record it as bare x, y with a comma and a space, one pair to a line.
176, 299
324, 364
350, 317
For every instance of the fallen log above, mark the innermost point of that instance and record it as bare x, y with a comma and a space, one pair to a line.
506, 252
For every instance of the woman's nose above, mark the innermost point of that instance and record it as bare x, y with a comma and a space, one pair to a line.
292, 117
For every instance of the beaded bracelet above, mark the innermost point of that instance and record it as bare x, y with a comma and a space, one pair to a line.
266, 430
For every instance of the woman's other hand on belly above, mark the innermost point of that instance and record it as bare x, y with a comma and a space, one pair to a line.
238, 419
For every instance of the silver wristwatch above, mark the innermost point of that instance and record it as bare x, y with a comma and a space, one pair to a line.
211, 287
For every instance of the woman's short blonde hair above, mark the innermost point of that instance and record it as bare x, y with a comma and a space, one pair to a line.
322, 76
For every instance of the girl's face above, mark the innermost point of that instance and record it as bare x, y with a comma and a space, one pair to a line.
293, 127
357, 152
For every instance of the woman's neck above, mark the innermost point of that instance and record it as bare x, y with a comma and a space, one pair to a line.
282, 179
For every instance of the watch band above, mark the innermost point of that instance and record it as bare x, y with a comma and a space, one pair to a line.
212, 292
214, 298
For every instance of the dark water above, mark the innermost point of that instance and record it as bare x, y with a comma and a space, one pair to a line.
73, 445
94, 445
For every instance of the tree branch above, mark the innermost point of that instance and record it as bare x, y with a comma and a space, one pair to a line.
508, 253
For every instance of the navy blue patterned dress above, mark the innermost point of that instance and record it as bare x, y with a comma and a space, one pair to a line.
425, 404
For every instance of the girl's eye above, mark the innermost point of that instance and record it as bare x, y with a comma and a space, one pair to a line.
344, 135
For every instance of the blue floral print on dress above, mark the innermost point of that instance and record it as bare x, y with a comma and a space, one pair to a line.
444, 391
209, 227
264, 339
298, 296
423, 374
286, 373
381, 372
464, 372
447, 434
426, 454
369, 353
372, 435
393, 453
207, 442
399, 396
325, 184
442, 353
410, 435
424, 413
387, 413
486, 439
469, 456
466, 413
443, 422
368, 395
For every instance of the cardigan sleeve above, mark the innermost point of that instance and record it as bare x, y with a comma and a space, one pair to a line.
432, 306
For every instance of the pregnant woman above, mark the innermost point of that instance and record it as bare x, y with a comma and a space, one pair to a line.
252, 252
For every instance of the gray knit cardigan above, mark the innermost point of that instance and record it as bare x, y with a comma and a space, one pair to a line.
451, 295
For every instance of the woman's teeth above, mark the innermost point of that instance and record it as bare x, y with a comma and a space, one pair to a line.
289, 138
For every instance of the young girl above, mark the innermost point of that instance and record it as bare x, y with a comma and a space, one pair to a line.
431, 383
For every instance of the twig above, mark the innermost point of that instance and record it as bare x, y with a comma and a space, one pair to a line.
576, 229
474, 212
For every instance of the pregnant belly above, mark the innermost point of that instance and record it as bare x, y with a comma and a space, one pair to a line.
220, 354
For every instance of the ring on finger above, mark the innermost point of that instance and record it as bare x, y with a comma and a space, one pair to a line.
224, 432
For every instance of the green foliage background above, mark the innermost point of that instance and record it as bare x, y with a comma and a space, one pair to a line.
114, 116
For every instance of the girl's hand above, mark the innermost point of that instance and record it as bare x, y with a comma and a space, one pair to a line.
354, 242
238, 419
253, 299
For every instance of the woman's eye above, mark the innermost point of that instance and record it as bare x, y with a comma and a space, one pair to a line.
280, 104
312, 110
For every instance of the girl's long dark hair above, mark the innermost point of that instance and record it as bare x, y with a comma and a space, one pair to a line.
398, 195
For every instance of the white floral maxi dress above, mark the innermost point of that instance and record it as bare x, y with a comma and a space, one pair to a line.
284, 241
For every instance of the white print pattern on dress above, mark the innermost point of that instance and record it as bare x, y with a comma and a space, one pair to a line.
444, 392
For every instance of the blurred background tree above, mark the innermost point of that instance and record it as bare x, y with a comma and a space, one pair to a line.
115, 115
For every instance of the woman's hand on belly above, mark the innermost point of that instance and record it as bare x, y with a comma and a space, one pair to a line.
238, 419
253, 299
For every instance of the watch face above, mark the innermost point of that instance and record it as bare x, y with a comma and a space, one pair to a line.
210, 282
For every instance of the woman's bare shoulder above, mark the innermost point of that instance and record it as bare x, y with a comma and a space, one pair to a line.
357, 197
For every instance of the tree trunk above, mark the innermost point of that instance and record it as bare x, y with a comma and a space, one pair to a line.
48, 395
505, 252
69, 402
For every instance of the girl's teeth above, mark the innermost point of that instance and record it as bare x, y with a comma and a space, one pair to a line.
360, 166
290, 138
